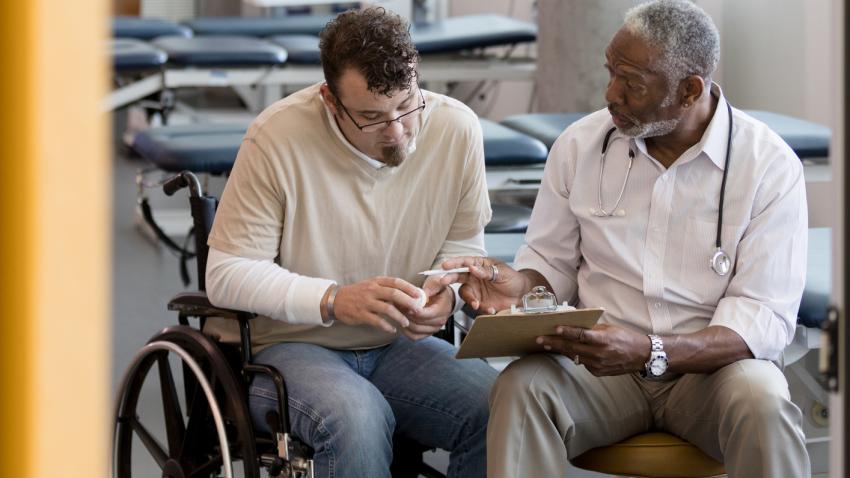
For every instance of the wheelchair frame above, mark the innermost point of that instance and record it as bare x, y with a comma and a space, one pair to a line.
211, 375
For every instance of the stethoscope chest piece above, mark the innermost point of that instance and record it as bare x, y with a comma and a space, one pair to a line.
720, 262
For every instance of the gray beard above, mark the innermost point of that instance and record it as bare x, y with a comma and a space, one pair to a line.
393, 155
649, 130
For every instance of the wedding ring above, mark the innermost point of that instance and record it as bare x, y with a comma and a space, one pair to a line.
495, 276
580, 337
577, 360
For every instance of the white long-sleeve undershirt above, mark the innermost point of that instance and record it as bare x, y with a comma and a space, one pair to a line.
263, 287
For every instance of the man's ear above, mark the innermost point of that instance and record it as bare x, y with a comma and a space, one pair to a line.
330, 98
691, 90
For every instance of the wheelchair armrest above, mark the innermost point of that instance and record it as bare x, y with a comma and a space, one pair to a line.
196, 304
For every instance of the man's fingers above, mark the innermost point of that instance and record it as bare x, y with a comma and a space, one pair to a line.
480, 272
431, 320
554, 343
388, 310
470, 296
379, 323
454, 278
413, 336
464, 261
399, 284
433, 286
571, 333
416, 328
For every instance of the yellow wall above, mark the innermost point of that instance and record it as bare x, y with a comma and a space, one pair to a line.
54, 239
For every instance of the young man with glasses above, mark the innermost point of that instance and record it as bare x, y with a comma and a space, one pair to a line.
341, 193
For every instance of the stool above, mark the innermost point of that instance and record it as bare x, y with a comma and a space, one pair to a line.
651, 455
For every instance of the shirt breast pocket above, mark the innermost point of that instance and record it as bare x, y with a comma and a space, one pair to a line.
696, 281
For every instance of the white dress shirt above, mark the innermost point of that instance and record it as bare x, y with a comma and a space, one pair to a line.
648, 265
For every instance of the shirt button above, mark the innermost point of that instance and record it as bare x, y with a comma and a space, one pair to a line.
658, 305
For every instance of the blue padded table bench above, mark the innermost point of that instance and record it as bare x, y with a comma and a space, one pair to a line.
212, 148
469, 32
146, 28
200, 148
506, 147
220, 51
450, 35
259, 26
810, 141
302, 49
129, 54
813, 307
544, 126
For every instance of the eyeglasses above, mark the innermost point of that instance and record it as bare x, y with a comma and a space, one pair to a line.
380, 125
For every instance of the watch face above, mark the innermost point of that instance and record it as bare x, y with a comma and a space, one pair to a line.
658, 366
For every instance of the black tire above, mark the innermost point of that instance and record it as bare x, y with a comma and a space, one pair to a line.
193, 439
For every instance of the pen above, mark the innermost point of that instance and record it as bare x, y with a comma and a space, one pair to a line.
444, 271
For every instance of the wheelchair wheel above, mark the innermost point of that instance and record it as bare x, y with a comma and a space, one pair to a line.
214, 431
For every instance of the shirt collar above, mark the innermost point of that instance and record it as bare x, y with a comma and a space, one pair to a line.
715, 138
713, 141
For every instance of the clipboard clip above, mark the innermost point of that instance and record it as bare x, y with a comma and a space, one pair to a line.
539, 300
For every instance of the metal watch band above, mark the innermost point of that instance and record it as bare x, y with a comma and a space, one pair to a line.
657, 343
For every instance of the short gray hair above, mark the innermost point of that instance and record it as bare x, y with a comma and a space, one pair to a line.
684, 34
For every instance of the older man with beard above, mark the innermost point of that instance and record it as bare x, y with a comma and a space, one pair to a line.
686, 220
341, 193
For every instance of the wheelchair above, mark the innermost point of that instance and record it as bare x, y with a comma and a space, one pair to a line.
207, 429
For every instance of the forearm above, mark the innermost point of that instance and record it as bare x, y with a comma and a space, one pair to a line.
265, 288
704, 351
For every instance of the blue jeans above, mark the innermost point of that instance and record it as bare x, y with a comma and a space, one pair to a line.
346, 404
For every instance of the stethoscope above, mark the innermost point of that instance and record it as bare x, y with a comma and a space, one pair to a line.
720, 261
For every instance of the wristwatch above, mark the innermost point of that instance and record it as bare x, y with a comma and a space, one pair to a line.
657, 363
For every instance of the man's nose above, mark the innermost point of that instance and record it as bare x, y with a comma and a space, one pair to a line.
395, 130
614, 93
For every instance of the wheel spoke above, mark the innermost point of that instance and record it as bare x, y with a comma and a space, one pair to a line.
151, 443
175, 428
214, 464
198, 429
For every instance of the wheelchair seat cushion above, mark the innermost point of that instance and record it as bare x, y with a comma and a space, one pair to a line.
200, 148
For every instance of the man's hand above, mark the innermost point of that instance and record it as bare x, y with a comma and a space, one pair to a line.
377, 302
603, 350
433, 316
490, 285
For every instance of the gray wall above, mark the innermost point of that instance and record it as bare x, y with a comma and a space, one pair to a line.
775, 54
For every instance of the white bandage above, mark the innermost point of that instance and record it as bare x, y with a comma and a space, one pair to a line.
423, 298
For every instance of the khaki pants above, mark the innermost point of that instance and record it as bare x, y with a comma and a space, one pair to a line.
545, 410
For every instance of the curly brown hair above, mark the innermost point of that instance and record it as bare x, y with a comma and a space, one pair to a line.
374, 41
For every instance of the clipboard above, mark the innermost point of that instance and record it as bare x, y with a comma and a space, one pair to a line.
508, 334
